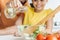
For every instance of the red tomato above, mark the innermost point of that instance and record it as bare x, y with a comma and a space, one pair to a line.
57, 35
59, 38
40, 37
58, 32
51, 37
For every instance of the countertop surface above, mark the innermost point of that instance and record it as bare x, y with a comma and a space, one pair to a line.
10, 37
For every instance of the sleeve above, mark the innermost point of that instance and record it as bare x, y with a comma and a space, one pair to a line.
48, 11
28, 15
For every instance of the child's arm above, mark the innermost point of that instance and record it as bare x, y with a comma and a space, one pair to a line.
49, 25
33, 28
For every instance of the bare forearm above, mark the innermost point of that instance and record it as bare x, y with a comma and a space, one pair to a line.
9, 30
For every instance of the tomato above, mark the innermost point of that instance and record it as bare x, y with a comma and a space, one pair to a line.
40, 37
59, 38
57, 35
58, 32
51, 37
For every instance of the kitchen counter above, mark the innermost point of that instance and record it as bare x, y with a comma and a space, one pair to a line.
10, 37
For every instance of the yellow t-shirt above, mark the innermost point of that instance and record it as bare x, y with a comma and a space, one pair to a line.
32, 18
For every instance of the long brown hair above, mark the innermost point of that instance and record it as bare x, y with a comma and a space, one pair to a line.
3, 20
23, 3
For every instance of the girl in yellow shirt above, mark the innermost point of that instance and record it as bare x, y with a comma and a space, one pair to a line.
34, 16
